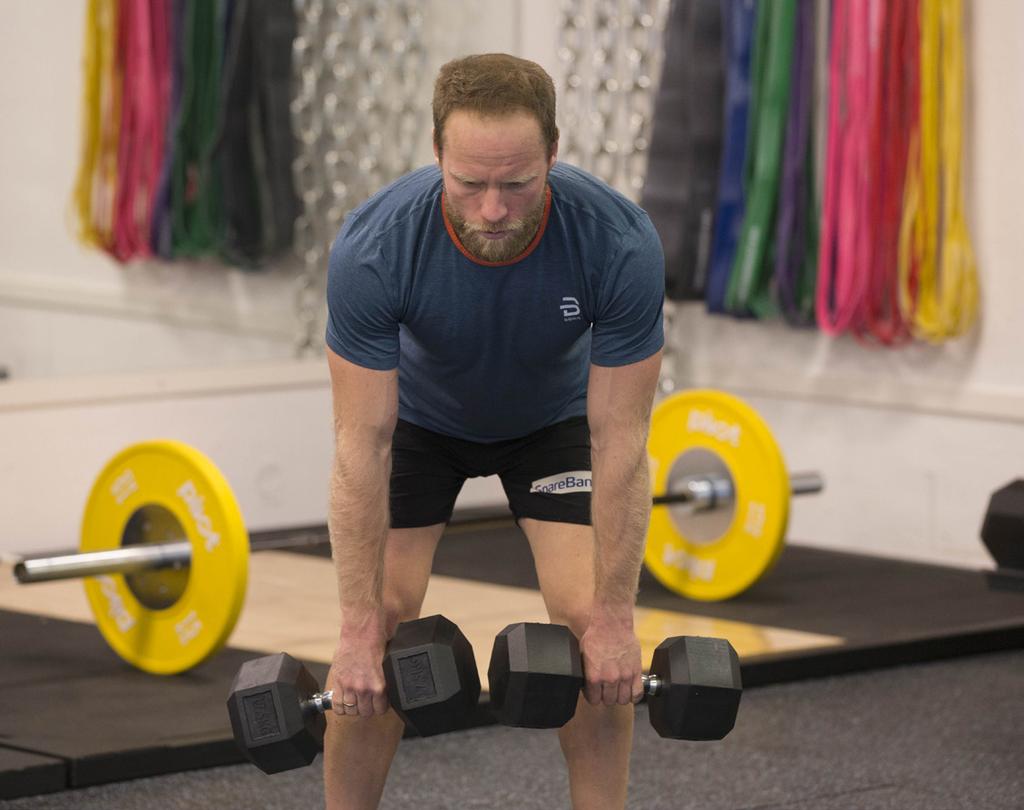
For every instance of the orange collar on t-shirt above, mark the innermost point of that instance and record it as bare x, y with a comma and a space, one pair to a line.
526, 252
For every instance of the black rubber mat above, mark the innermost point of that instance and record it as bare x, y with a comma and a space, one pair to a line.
70, 704
67, 697
865, 600
89, 718
888, 612
25, 774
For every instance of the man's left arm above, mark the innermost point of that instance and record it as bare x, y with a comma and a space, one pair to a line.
619, 400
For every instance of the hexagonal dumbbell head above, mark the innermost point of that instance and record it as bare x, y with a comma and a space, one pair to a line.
1003, 528
535, 675
433, 683
271, 718
700, 688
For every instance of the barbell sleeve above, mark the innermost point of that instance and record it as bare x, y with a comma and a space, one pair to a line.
707, 492
123, 560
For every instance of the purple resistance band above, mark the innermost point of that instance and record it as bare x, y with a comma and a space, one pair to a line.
795, 187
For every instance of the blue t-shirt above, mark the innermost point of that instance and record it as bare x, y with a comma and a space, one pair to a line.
490, 352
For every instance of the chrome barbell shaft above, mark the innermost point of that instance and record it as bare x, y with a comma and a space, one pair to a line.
700, 493
130, 559
712, 491
124, 560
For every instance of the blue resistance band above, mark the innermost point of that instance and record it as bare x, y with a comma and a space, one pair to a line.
738, 30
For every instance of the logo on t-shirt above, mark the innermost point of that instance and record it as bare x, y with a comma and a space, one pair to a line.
570, 309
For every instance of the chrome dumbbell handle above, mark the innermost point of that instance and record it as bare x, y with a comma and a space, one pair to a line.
321, 702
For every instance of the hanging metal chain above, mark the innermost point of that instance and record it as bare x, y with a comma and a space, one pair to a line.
612, 52
307, 122
358, 105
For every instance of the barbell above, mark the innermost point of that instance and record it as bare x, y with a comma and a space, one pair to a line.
724, 482
164, 548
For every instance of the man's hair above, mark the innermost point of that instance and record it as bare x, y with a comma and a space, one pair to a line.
495, 84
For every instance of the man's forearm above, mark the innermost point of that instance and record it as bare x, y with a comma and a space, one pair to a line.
620, 513
358, 521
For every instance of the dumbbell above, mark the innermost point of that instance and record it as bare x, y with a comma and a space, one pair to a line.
1002, 532
692, 693
277, 708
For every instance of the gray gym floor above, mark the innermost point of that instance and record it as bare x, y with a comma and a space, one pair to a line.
941, 736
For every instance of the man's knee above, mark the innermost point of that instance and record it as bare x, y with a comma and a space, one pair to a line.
401, 607
408, 558
573, 613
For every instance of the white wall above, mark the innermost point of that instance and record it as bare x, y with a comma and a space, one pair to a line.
66, 310
102, 355
911, 442
267, 426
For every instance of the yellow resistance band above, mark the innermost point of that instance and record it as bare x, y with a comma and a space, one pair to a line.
938, 274
93, 200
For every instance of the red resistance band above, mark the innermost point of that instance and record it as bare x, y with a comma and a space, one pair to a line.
144, 103
893, 116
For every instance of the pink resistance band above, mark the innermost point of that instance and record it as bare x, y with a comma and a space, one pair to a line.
893, 107
846, 240
142, 23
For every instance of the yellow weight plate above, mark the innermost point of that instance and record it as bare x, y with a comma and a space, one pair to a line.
716, 554
166, 621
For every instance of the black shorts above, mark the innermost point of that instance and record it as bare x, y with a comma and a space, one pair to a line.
546, 475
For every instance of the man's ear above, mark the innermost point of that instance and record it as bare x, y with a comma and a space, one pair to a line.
433, 144
554, 155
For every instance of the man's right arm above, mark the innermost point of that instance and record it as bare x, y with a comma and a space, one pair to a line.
365, 413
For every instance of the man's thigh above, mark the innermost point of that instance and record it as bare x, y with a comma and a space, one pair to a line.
425, 477
546, 476
564, 556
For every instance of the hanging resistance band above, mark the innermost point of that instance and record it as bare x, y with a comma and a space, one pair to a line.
255, 147
738, 28
893, 98
959, 268
795, 254
686, 141
822, 31
938, 275
279, 29
96, 182
748, 283
142, 131
169, 65
845, 234
195, 189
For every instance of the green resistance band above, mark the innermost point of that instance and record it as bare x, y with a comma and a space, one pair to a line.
749, 291
195, 190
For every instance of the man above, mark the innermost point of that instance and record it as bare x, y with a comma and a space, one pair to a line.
495, 314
